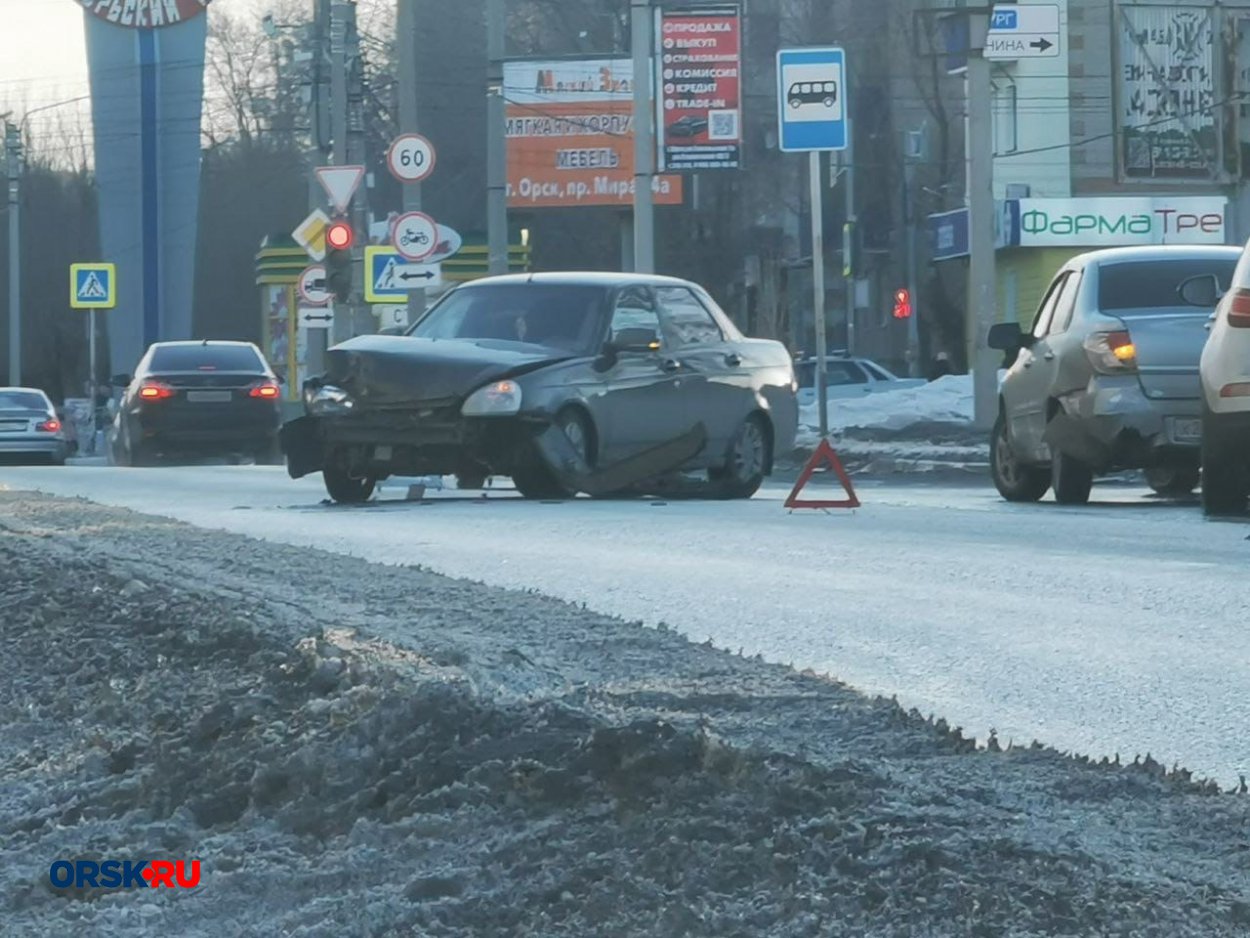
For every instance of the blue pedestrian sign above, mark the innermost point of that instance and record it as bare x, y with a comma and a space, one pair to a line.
812, 100
92, 286
390, 277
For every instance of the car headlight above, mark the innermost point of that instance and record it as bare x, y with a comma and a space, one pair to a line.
501, 399
327, 400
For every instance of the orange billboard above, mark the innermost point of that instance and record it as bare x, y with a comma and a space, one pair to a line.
570, 130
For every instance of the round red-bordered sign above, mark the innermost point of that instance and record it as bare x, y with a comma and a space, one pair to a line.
411, 158
145, 14
415, 236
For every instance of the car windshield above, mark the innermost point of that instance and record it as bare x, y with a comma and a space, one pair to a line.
1146, 285
568, 317
22, 400
205, 358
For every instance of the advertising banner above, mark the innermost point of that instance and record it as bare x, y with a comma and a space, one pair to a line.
699, 104
1106, 222
570, 131
1166, 94
147, 93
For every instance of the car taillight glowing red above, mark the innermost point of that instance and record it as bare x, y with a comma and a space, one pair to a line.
1239, 309
267, 391
155, 391
49, 426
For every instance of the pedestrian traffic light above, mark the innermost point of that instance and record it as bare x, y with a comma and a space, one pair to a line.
902, 304
339, 239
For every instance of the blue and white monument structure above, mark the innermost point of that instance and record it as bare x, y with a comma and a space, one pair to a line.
146, 64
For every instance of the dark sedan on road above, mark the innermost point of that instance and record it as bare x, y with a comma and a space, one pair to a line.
30, 427
208, 398
596, 383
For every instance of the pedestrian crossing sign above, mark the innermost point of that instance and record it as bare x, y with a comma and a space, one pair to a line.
92, 286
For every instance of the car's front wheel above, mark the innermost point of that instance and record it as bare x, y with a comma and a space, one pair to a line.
744, 470
1016, 481
343, 485
1172, 481
1225, 475
533, 478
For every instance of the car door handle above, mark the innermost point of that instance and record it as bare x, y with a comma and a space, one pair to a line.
671, 364
1049, 356
733, 359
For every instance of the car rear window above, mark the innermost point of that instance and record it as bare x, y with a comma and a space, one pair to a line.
23, 400
1153, 284
206, 358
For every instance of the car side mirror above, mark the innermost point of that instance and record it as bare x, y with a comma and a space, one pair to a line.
1006, 337
1202, 291
120, 381
635, 340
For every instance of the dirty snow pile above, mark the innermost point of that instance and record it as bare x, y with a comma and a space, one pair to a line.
352, 749
946, 400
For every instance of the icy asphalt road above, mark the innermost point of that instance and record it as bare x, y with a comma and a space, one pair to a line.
1120, 627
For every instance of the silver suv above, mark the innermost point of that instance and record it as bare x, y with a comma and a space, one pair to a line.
1107, 377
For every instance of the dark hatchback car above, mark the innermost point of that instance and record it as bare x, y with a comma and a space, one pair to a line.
195, 399
631, 377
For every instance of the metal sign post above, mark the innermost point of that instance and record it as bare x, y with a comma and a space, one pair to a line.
818, 285
814, 116
92, 287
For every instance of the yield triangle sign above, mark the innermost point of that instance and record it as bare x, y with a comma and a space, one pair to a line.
823, 457
340, 183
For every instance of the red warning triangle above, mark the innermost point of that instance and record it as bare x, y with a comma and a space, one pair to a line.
824, 456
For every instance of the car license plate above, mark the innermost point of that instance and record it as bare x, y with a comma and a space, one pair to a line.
1187, 430
382, 453
8, 426
208, 397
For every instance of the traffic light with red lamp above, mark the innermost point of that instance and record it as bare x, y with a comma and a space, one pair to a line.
902, 304
339, 240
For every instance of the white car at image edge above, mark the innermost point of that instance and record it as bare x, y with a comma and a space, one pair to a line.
1225, 374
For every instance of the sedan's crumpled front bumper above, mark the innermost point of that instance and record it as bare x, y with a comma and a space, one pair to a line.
1112, 424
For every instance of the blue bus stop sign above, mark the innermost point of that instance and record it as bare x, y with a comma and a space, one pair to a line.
812, 100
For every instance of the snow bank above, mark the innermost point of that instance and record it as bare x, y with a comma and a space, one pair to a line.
947, 400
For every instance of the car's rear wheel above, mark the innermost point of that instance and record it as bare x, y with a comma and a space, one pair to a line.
535, 479
1070, 478
345, 486
1172, 481
1225, 475
744, 471
1015, 480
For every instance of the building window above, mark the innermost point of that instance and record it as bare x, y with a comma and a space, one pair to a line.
1005, 139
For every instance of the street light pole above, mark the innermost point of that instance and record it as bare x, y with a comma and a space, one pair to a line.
13, 161
644, 143
982, 276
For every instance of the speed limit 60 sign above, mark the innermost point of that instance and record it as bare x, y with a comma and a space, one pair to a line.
411, 158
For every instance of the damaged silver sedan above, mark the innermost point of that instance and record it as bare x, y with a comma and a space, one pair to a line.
567, 383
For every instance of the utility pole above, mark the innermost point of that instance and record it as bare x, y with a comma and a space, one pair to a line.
980, 186
409, 123
338, 133
358, 319
316, 338
13, 160
849, 235
644, 141
496, 138
910, 155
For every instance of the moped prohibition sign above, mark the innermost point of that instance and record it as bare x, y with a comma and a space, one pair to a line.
415, 236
